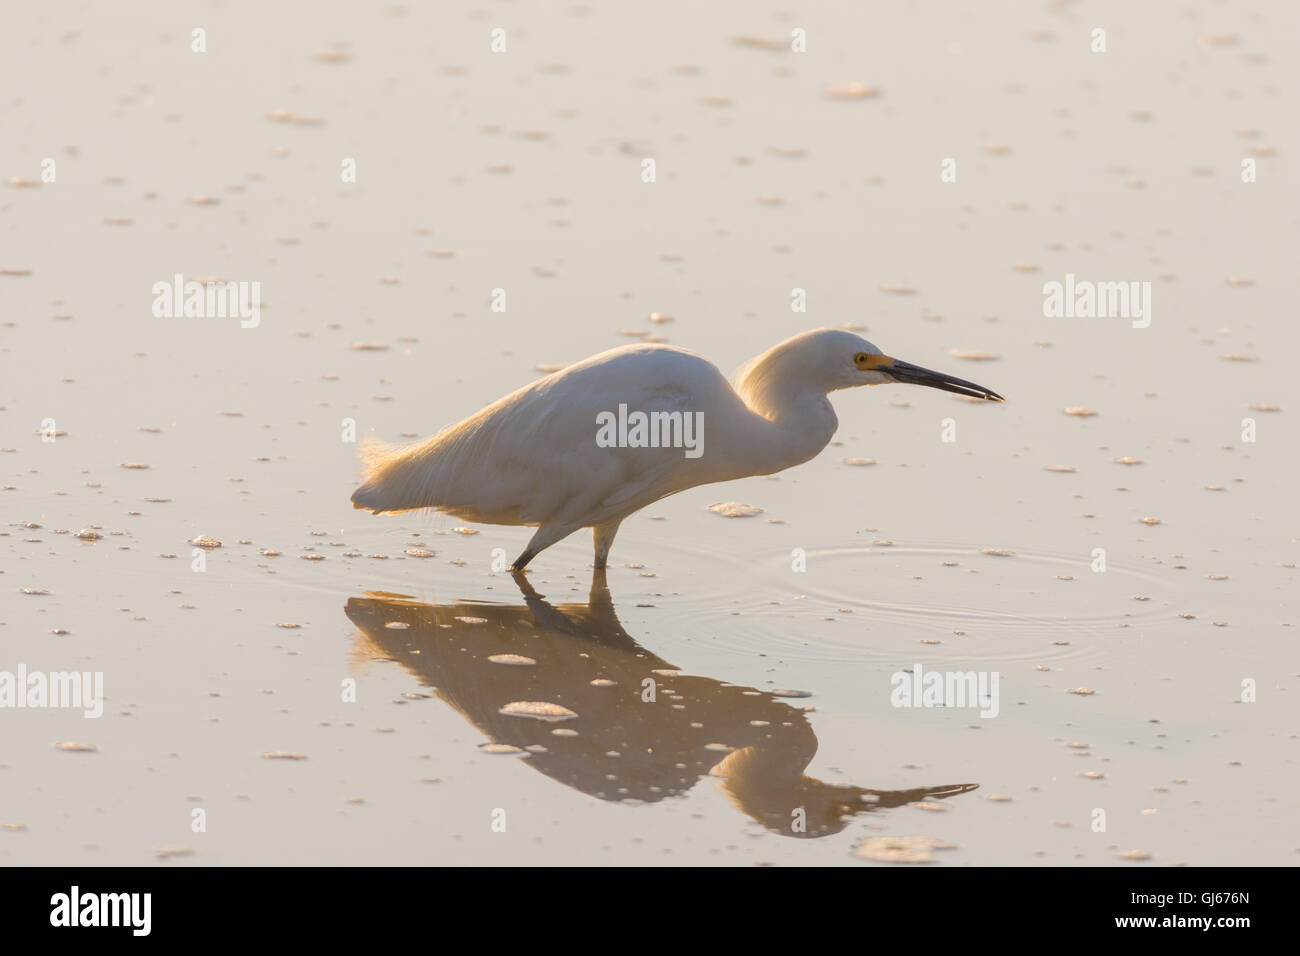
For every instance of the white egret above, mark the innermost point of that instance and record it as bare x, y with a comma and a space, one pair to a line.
546, 455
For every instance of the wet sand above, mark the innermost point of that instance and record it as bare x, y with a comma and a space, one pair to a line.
522, 171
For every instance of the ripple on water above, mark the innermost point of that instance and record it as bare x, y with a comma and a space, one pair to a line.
919, 603
927, 603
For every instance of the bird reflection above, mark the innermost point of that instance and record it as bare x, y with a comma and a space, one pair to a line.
642, 731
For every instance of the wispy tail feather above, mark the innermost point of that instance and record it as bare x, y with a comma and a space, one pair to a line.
391, 477
446, 472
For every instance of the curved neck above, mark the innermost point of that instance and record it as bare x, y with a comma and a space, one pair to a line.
790, 422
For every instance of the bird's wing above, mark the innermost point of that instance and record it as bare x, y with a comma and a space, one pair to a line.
532, 457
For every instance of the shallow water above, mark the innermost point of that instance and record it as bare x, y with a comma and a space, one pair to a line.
522, 171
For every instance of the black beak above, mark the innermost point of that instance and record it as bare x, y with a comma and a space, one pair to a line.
915, 375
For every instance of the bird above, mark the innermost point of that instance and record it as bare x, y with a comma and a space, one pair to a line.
597, 441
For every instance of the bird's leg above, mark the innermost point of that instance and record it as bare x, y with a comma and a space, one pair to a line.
543, 538
603, 535
599, 595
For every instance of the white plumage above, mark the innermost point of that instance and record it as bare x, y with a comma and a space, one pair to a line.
532, 457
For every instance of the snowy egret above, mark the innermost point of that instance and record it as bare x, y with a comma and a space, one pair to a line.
565, 453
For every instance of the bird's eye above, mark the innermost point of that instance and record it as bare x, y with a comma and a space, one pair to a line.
860, 358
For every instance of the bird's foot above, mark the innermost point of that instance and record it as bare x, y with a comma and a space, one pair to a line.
521, 562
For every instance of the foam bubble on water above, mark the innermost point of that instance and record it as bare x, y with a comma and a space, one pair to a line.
513, 660
907, 849
293, 119
500, 749
849, 91
72, 746
537, 710
1135, 855
770, 44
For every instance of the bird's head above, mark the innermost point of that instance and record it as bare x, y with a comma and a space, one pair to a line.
825, 360
848, 360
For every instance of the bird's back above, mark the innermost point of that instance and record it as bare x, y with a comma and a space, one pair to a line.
533, 457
